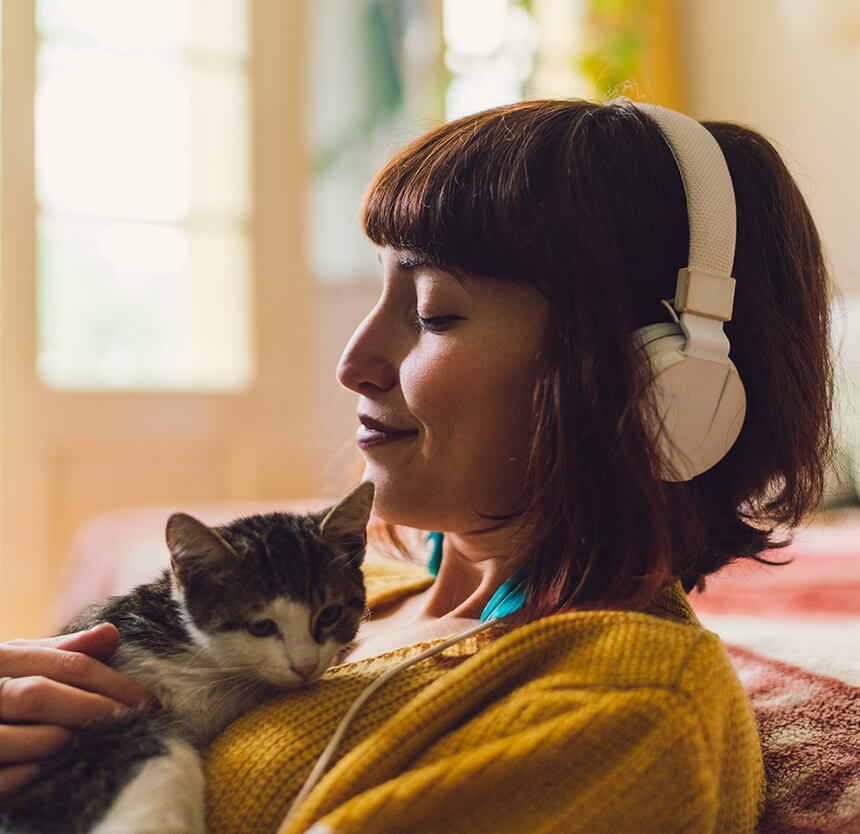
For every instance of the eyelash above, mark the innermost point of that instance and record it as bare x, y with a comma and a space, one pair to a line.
435, 324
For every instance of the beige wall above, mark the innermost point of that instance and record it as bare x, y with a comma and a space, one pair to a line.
790, 69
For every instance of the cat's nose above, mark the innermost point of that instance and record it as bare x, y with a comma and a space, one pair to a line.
304, 671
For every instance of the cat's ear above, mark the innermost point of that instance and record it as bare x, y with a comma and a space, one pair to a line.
345, 526
196, 550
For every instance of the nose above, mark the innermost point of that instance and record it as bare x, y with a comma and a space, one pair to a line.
367, 363
305, 670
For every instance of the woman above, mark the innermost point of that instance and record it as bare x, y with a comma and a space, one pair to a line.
504, 401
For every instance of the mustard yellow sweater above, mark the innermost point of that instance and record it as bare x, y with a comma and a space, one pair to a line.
593, 721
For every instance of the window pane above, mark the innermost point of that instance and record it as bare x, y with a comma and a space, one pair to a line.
124, 305
112, 134
373, 84
140, 136
143, 186
490, 47
213, 25
219, 25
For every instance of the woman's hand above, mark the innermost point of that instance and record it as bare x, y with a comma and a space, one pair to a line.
48, 686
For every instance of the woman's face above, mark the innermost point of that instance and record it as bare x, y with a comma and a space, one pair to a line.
445, 371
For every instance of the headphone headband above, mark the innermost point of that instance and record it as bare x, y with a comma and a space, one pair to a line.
700, 399
707, 185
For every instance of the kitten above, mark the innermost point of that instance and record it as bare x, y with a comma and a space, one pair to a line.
246, 610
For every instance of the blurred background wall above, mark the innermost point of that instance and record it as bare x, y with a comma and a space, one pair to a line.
181, 258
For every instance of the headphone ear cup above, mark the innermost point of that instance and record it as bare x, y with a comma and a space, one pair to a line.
700, 405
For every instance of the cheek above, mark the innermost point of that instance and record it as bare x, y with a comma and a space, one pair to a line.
447, 389
330, 650
428, 379
476, 405
477, 421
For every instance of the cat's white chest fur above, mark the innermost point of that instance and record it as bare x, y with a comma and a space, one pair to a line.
199, 693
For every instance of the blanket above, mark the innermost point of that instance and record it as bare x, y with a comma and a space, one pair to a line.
793, 634
810, 734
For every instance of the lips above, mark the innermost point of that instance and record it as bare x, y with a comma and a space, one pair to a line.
373, 432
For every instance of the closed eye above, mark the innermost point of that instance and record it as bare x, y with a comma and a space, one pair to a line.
436, 324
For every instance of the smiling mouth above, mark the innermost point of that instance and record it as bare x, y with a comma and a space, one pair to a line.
375, 433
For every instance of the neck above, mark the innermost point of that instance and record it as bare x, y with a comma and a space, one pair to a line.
473, 568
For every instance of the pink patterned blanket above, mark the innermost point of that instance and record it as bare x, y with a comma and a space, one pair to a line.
793, 634
810, 733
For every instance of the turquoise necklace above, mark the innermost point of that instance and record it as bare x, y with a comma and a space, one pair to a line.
507, 599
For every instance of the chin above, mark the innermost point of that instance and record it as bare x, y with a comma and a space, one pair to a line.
422, 503
388, 501
421, 514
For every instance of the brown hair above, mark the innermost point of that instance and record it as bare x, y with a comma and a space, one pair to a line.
585, 202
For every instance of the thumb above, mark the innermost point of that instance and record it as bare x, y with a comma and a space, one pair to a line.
100, 641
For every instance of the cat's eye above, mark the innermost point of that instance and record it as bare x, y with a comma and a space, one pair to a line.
262, 628
329, 615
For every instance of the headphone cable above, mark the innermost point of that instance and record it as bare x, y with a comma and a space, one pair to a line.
323, 761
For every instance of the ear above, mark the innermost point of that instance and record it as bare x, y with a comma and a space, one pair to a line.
196, 550
345, 526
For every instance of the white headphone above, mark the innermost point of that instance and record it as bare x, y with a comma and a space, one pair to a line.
699, 396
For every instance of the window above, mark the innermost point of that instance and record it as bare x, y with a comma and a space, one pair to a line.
142, 168
382, 72
489, 53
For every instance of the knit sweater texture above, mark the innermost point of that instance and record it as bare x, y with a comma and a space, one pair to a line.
592, 721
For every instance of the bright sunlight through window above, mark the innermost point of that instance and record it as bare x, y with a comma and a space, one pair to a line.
490, 50
143, 188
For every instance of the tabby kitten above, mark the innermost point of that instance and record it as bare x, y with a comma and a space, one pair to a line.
246, 610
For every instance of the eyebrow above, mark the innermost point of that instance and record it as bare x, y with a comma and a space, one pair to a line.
416, 261
409, 261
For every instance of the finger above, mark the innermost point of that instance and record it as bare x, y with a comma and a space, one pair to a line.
44, 701
20, 744
14, 777
73, 668
99, 642
36, 699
